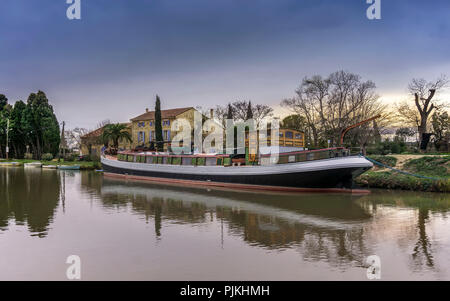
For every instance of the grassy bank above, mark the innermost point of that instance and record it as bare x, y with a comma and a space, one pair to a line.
84, 165
428, 166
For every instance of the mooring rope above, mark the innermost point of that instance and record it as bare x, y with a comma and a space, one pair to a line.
401, 171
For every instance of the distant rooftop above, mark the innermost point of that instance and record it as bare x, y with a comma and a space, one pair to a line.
165, 114
98, 132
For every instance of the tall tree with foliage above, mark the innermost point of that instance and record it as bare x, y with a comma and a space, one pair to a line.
249, 111
158, 125
17, 131
441, 130
4, 115
41, 125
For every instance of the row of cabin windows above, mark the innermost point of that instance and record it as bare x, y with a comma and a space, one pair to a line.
288, 135
152, 136
150, 123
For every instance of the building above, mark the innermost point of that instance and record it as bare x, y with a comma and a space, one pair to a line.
143, 126
91, 143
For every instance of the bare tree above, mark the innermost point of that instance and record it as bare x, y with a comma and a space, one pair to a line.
220, 112
424, 93
103, 123
73, 137
331, 104
259, 111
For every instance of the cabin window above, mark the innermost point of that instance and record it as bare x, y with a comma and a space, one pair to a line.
289, 135
151, 136
211, 161
166, 123
281, 134
150, 123
298, 136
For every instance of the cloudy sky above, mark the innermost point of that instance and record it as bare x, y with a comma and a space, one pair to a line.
112, 62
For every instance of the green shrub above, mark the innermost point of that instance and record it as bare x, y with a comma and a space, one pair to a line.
392, 180
386, 160
71, 158
47, 157
431, 166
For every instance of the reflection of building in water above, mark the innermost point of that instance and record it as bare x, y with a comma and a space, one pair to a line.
269, 221
29, 197
334, 228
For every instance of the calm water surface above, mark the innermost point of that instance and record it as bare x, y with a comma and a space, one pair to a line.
140, 231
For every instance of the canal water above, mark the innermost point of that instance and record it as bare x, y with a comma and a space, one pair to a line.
139, 231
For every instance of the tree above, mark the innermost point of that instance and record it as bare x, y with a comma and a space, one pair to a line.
18, 135
331, 104
41, 125
73, 137
249, 111
424, 93
115, 132
404, 132
295, 122
158, 125
3, 101
242, 109
230, 112
4, 115
441, 129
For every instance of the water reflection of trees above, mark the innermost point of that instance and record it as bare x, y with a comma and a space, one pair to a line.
317, 226
29, 197
425, 204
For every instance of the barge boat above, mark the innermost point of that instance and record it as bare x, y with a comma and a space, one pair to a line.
330, 170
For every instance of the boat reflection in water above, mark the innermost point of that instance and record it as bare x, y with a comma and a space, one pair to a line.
153, 232
326, 225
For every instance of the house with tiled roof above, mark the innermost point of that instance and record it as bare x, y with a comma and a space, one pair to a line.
91, 143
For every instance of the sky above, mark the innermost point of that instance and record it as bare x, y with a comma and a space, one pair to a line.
112, 62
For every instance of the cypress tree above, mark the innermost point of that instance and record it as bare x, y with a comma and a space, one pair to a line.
230, 112
158, 125
249, 111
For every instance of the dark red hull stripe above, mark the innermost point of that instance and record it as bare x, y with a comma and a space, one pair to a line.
235, 185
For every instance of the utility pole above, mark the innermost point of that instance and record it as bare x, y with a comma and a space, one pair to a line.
7, 138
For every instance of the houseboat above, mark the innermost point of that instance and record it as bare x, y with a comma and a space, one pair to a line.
324, 170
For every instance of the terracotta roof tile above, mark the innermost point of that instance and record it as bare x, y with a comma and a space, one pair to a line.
98, 132
172, 113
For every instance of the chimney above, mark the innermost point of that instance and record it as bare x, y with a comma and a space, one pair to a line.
211, 114
146, 110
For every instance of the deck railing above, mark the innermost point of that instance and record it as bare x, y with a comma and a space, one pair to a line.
226, 160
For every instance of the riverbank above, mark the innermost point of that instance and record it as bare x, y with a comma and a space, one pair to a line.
84, 165
433, 173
